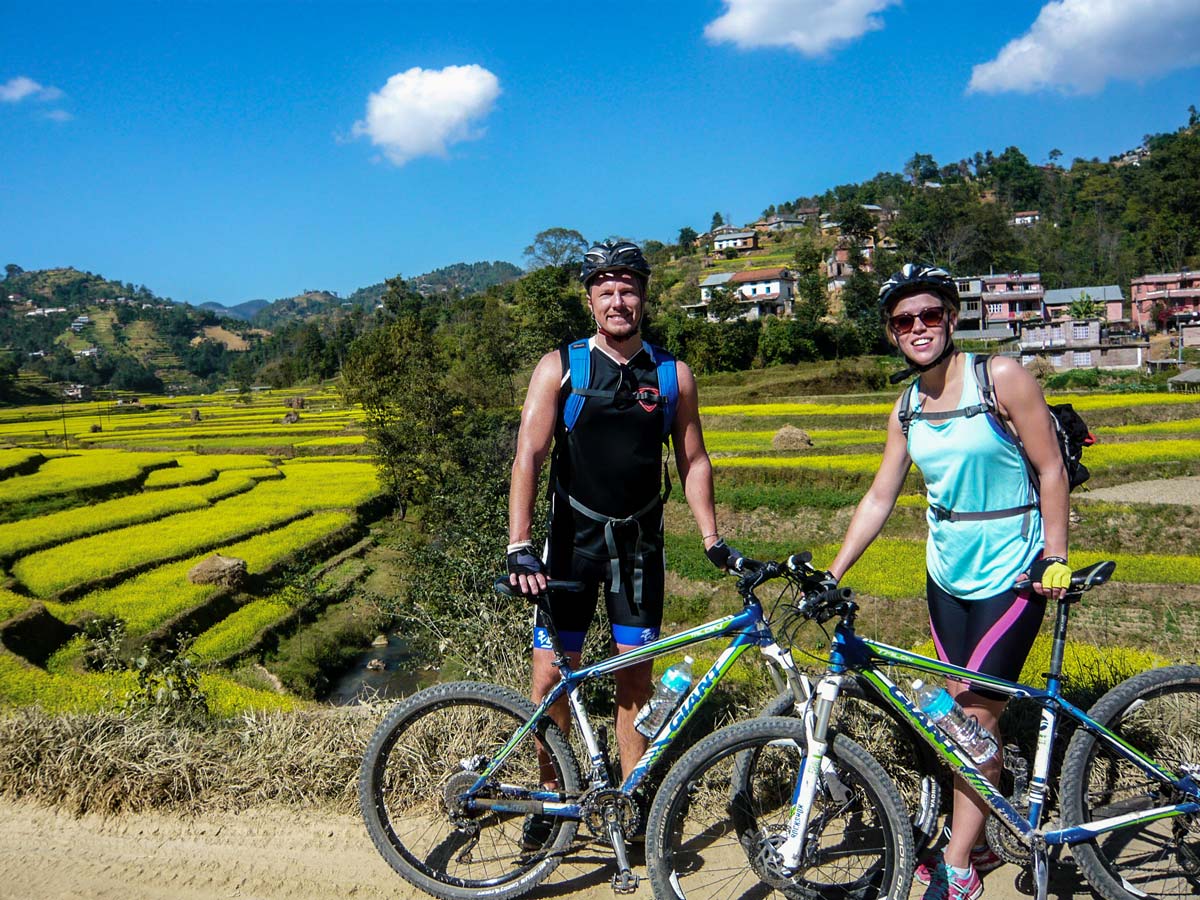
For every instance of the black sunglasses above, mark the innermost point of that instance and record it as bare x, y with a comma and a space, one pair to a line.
931, 317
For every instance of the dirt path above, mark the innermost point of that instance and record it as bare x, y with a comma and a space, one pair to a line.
266, 854
1184, 490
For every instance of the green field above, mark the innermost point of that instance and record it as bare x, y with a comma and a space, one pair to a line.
108, 521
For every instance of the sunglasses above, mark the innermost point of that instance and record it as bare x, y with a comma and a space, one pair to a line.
931, 317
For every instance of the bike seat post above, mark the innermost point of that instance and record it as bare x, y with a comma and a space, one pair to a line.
1060, 642
560, 658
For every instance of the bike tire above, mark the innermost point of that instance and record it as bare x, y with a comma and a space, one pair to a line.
725, 805
908, 759
408, 800
1157, 712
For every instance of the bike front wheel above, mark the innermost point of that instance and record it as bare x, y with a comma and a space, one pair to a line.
723, 811
1158, 714
420, 765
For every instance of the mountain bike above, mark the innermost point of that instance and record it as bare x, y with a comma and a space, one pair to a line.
1129, 795
452, 772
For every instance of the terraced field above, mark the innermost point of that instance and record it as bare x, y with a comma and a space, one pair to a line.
109, 523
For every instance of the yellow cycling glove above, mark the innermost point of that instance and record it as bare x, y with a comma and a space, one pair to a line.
1051, 572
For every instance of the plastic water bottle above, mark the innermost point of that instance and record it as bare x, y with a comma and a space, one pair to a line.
670, 689
964, 730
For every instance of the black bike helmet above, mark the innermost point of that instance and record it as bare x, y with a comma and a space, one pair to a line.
914, 278
614, 256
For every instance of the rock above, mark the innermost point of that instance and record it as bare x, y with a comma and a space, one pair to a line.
789, 437
228, 571
291, 418
376, 665
380, 641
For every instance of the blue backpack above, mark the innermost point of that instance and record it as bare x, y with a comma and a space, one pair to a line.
579, 354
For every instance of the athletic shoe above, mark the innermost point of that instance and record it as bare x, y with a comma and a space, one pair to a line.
982, 858
535, 832
946, 885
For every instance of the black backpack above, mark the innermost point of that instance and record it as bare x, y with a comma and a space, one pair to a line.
1069, 427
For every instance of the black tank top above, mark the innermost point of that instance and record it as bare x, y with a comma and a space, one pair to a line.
611, 461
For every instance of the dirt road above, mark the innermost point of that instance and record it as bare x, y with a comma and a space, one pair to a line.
265, 854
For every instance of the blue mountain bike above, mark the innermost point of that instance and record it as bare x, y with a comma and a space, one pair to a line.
451, 774
745, 812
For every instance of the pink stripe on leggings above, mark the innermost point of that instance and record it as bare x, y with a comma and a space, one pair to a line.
997, 631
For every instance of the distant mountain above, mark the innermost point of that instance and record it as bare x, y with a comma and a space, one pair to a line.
245, 311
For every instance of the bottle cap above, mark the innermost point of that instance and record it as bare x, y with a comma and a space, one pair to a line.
688, 660
918, 684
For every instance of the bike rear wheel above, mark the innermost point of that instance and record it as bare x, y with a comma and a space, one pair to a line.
422, 759
1157, 713
909, 761
722, 811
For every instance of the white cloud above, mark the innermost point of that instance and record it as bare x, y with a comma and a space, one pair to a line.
422, 111
1076, 46
59, 115
811, 26
23, 88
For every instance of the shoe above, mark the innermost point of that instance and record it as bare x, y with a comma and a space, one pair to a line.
945, 885
535, 832
982, 858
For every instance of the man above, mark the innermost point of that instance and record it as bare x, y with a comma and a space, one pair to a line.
606, 483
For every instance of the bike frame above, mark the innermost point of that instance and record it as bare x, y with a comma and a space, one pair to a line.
747, 629
851, 653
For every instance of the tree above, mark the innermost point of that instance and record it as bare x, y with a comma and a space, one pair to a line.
1055, 155
921, 168
12, 270
687, 237
855, 221
717, 221
549, 310
723, 305
860, 300
556, 247
1083, 306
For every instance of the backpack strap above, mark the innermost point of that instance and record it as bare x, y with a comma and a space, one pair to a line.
579, 358
906, 413
668, 385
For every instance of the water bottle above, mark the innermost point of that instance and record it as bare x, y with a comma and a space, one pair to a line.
964, 730
670, 689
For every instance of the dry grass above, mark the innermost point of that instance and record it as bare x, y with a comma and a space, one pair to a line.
109, 763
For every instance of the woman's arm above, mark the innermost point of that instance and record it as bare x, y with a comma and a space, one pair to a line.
875, 507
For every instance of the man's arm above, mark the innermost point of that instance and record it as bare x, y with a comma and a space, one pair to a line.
691, 457
533, 443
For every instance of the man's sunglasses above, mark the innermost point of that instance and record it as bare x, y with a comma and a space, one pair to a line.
931, 317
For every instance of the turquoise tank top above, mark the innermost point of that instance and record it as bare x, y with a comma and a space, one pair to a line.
971, 464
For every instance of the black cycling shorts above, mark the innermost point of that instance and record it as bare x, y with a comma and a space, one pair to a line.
635, 611
993, 636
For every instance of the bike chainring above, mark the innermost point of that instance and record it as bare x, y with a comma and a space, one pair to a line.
1004, 843
599, 805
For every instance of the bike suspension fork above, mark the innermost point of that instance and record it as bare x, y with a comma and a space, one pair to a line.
815, 771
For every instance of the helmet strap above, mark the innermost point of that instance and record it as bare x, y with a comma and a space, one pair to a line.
915, 369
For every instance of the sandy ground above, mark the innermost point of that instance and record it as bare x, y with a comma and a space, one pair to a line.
271, 854
1185, 491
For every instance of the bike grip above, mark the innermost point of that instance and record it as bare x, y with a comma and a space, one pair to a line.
800, 562
502, 586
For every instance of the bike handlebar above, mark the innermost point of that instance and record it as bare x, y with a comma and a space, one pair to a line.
502, 586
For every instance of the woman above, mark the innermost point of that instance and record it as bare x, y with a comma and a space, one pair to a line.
990, 564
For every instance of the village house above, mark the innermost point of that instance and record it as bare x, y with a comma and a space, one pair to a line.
1178, 292
735, 240
1009, 299
46, 311
1080, 344
1025, 218
1109, 301
760, 292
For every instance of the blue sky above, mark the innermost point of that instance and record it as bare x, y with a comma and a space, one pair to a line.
229, 151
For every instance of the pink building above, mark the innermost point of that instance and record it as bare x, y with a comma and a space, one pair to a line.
1178, 292
1008, 299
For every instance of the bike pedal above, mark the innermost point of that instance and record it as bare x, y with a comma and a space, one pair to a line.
625, 883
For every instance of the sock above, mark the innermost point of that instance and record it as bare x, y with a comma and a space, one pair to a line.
960, 873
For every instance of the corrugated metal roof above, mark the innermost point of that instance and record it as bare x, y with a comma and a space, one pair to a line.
758, 275
1098, 292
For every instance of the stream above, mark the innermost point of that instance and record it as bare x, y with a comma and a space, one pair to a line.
399, 677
